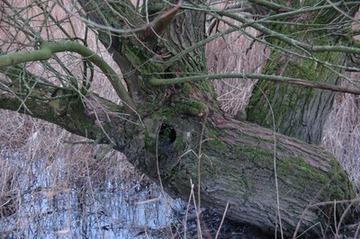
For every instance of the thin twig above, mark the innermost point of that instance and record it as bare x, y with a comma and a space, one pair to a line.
222, 220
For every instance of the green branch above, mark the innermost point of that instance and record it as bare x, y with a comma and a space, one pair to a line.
281, 79
271, 5
47, 49
288, 40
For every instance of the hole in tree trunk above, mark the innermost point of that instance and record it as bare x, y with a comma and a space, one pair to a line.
167, 136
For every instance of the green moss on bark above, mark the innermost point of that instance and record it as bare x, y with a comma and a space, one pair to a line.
296, 111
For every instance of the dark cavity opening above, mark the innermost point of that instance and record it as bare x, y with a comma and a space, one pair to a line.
167, 134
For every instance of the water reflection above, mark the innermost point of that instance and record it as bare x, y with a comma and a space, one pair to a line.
53, 203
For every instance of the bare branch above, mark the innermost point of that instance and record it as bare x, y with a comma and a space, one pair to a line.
274, 78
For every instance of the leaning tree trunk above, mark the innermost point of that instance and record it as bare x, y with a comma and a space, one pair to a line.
231, 161
179, 136
291, 110
186, 138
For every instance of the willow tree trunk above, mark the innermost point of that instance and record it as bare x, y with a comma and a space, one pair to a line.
186, 139
179, 136
292, 110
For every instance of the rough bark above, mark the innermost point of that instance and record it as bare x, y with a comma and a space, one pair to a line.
290, 110
181, 135
236, 162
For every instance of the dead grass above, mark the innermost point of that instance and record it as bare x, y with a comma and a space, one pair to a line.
341, 133
235, 53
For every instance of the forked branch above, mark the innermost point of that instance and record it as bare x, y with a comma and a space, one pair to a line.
47, 49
